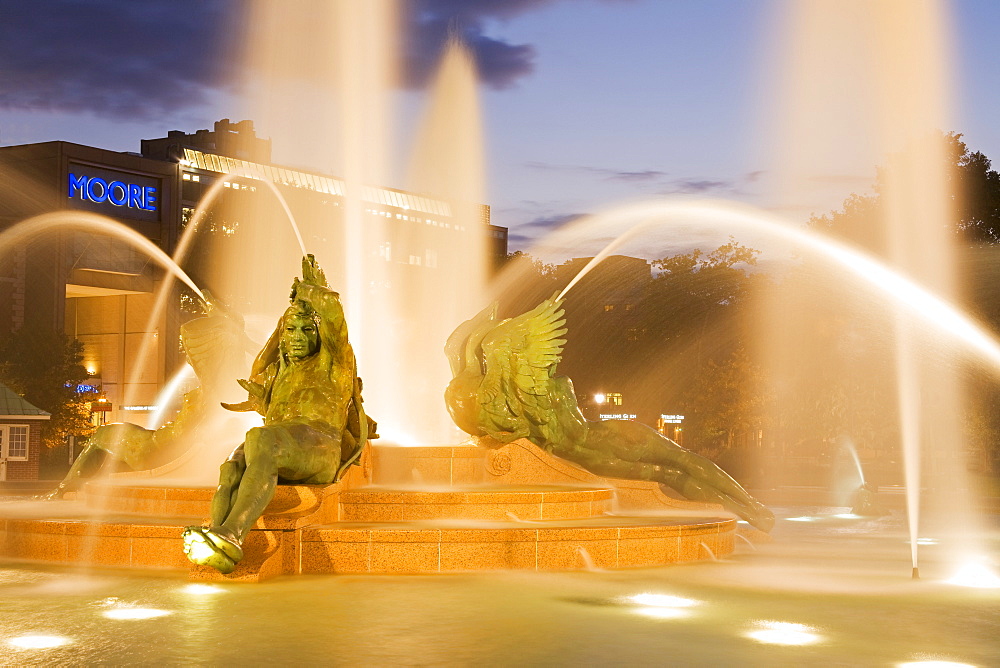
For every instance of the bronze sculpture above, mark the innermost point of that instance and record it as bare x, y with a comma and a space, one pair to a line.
505, 386
215, 346
305, 384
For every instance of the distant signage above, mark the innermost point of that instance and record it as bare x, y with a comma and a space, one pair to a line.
100, 406
83, 388
618, 416
114, 193
672, 419
117, 193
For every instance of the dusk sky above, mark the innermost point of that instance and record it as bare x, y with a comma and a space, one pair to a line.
586, 102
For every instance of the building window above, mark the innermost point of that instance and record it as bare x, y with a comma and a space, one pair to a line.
609, 307
614, 398
14, 442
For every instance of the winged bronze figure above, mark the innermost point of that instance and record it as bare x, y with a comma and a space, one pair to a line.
505, 386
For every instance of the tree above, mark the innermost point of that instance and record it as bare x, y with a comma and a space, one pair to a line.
45, 368
975, 189
699, 312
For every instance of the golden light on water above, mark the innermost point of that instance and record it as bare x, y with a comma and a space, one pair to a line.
662, 606
934, 664
662, 601
136, 613
38, 642
663, 613
199, 589
975, 574
783, 633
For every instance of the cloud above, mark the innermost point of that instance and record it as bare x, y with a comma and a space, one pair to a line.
693, 186
430, 23
640, 176
633, 176
715, 186
550, 222
131, 59
524, 235
499, 63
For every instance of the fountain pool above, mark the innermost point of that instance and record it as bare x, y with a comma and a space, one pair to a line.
826, 592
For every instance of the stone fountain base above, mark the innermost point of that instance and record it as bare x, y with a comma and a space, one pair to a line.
426, 510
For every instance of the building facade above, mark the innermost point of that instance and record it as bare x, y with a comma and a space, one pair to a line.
101, 289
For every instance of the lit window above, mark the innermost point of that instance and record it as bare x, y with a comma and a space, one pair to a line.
614, 398
609, 307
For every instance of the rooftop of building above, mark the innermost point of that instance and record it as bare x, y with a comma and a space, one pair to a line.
14, 405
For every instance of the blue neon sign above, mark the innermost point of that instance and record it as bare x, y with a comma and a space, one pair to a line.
118, 193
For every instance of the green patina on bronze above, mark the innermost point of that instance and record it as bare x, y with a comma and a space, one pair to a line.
304, 382
215, 346
505, 386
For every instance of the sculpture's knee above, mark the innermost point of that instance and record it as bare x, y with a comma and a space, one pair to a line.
260, 445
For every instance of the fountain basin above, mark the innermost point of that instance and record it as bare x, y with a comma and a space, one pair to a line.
512, 507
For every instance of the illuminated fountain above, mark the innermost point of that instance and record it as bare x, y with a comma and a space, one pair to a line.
817, 594
510, 507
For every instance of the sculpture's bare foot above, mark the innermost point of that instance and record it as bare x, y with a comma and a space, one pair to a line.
212, 547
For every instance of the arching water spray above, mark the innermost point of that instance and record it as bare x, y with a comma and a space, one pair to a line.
167, 395
209, 198
931, 310
848, 445
180, 254
92, 222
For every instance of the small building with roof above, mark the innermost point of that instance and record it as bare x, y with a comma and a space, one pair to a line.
20, 436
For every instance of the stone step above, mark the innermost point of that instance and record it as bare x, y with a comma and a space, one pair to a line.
434, 546
607, 542
496, 502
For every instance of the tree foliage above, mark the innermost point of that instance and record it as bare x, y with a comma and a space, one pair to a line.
671, 340
45, 368
699, 312
975, 192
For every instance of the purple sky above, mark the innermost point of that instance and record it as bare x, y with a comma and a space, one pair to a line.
586, 102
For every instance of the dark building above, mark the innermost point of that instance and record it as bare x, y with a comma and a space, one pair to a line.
100, 288
236, 140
